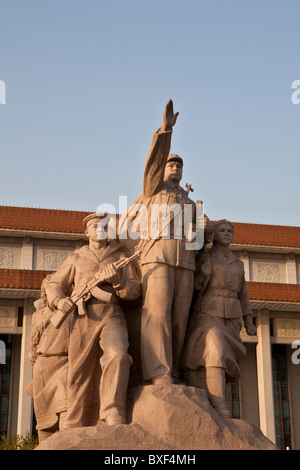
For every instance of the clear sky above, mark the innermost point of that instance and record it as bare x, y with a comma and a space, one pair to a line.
87, 82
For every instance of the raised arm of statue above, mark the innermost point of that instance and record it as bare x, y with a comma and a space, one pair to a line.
158, 153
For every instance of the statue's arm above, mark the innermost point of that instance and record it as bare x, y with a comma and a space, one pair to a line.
158, 153
203, 271
246, 309
156, 162
130, 286
61, 282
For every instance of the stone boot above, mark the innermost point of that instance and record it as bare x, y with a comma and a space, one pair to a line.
215, 383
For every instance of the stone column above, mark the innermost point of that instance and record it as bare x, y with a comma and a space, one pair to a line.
25, 407
264, 375
291, 269
27, 254
245, 258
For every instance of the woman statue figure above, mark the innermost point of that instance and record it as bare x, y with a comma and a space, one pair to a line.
213, 344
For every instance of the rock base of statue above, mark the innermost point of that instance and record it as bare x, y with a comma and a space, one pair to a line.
165, 417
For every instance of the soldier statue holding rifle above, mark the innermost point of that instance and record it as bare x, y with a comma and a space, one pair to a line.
99, 362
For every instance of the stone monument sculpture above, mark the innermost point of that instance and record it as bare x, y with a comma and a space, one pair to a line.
186, 340
214, 346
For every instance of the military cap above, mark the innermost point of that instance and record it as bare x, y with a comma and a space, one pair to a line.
95, 215
173, 157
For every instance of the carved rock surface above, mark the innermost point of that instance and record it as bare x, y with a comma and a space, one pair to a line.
165, 417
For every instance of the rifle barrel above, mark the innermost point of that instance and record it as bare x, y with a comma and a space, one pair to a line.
124, 261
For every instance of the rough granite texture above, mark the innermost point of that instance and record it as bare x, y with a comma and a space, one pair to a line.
165, 417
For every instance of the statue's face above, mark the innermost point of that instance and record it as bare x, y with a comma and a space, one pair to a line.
224, 234
96, 231
173, 171
91, 230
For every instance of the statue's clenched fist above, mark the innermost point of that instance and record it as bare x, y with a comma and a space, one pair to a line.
111, 274
66, 305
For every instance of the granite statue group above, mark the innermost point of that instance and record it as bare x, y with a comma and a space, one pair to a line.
193, 303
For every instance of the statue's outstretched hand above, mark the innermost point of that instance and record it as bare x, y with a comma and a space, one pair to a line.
169, 118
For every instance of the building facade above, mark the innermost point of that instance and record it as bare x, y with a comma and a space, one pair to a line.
35, 242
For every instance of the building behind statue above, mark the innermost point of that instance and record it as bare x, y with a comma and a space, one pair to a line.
34, 242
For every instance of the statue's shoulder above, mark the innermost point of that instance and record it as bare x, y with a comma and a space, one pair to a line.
117, 247
203, 257
78, 253
82, 250
238, 261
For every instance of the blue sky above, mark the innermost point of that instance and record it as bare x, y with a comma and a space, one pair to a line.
87, 82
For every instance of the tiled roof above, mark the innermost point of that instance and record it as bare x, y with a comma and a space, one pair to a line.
21, 278
275, 292
45, 220
65, 221
28, 279
268, 235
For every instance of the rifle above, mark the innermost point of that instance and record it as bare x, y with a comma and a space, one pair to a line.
91, 288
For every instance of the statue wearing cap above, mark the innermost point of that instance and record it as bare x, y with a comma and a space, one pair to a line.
167, 266
99, 362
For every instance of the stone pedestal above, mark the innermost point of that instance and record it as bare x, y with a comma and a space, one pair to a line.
165, 417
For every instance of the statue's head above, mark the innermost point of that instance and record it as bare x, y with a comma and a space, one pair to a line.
93, 227
223, 232
173, 169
